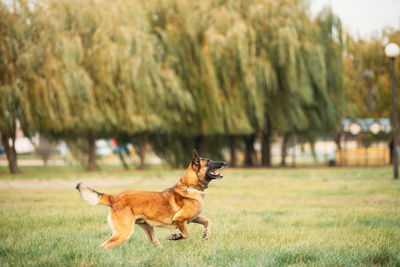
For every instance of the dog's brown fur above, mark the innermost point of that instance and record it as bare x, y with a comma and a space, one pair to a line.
174, 207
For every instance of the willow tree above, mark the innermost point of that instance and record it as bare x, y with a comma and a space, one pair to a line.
298, 60
319, 78
250, 67
183, 72
213, 58
367, 76
64, 102
180, 27
20, 27
78, 89
322, 75
331, 102
150, 96
323, 53
279, 67
233, 52
107, 75
10, 38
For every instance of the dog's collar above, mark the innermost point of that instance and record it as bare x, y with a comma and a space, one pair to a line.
190, 187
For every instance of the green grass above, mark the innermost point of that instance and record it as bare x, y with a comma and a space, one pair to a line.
326, 216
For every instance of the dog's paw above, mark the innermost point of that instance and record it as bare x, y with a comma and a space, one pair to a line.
175, 236
205, 235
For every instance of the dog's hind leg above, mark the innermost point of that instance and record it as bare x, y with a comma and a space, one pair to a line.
207, 225
121, 223
149, 231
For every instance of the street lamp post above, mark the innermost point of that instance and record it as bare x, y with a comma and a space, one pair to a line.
392, 51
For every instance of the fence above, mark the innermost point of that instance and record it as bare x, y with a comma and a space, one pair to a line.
363, 157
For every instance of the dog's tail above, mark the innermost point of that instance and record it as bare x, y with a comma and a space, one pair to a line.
93, 197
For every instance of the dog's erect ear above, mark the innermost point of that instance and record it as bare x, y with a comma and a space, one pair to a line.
195, 158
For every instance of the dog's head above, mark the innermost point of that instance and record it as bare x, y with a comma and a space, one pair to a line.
205, 170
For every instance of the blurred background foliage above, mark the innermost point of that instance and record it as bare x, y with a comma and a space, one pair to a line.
211, 74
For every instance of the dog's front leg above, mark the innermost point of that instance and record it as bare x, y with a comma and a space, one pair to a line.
207, 225
182, 226
180, 219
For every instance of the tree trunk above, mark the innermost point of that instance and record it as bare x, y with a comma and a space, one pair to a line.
294, 151
284, 149
232, 148
10, 152
91, 152
140, 149
200, 143
249, 155
266, 150
337, 141
266, 145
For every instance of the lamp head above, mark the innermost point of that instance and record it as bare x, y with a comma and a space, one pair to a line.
392, 50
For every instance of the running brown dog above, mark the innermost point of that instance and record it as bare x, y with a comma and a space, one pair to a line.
174, 207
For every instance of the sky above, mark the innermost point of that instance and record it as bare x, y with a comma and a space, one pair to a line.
363, 18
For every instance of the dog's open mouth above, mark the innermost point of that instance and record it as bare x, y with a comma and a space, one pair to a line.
215, 174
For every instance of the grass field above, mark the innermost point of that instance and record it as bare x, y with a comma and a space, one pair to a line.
260, 217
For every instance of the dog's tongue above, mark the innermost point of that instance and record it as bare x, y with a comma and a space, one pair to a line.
215, 173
